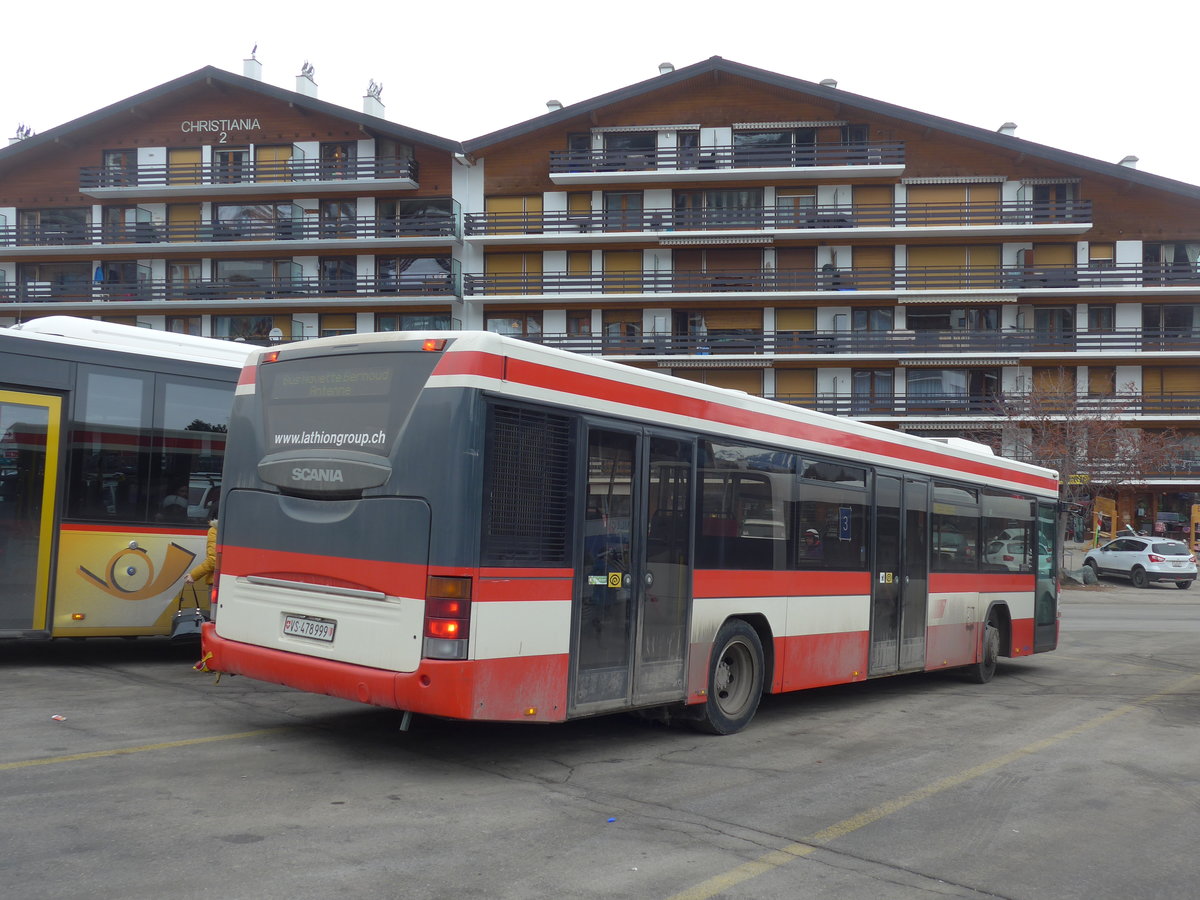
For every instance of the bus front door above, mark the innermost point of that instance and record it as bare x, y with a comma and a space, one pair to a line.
29, 442
899, 596
634, 575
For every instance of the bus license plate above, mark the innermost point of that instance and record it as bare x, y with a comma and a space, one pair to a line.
308, 627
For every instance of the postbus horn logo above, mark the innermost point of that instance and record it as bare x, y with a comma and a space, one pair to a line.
131, 573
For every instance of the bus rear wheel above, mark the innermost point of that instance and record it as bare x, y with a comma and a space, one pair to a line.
982, 671
735, 679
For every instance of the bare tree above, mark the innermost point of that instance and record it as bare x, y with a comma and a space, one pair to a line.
1091, 441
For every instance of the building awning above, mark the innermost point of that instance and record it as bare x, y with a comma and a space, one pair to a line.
710, 241
714, 363
957, 362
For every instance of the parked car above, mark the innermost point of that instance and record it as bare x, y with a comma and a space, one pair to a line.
1145, 559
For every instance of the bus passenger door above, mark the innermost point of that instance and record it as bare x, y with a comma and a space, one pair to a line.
901, 575
29, 443
634, 574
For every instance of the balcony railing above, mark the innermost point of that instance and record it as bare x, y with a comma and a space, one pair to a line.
778, 218
887, 153
1186, 405
230, 289
298, 229
899, 278
1009, 342
175, 175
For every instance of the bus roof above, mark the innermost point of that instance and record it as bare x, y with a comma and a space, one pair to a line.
968, 455
129, 339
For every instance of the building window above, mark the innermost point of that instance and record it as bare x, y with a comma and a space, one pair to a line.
339, 274
775, 148
946, 318
120, 168
876, 319
872, 391
252, 221
231, 164
256, 329
337, 159
412, 321
1101, 318
433, 216
413, 274
579, 322
332, 324
184, 325
516, 324
631, 150
719, 209
339, 218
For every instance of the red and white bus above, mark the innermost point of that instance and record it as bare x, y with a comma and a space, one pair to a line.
466, 525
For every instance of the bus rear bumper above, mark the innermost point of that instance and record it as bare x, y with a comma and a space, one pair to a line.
521, 689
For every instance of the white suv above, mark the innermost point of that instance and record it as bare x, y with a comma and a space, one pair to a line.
1143, 560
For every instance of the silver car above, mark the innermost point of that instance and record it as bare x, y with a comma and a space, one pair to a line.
1145, 559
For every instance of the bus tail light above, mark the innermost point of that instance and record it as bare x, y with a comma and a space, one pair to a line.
447, 617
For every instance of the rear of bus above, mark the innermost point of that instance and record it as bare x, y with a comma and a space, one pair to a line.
349, 524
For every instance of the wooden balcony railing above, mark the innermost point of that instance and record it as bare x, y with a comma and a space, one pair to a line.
366, 169
304, 229
863, 153
899, 278
777, 218
230, 289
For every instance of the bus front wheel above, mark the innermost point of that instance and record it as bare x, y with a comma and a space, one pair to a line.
735, 679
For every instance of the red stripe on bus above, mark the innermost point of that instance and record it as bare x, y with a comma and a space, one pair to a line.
248, 375
493, 590
725, 583
397, 579
470, 362
518, 689
979, 582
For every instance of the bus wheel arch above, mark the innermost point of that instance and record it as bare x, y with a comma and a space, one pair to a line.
737, 677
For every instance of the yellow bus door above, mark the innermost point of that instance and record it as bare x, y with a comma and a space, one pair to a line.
29, 453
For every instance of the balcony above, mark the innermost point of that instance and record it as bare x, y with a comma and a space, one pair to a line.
131, 239
313, 176
938, 281
728, 163
295, 290
1008, 218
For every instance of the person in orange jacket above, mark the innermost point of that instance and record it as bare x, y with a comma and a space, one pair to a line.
206, 568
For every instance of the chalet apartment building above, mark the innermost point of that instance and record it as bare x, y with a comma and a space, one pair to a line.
718, 222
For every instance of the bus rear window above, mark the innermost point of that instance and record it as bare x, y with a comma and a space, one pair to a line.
344, 403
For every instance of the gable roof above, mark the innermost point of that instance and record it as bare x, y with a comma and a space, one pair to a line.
210, 75
717, 64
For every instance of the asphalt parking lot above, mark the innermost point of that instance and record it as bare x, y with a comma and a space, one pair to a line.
124, 773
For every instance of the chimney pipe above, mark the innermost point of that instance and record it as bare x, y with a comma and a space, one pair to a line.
1009, 128
1129, 162
665, 68
553, 105
829, 82
305, 83
372, 100
252, 68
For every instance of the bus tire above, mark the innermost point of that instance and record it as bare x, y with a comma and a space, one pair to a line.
982, 671
735, 679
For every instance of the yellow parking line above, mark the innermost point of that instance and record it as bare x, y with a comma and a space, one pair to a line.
123, 751
806, 846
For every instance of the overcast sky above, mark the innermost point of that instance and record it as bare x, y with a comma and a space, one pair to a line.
1102, 79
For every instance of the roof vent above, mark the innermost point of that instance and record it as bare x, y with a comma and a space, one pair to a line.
553, 105
1009, 128
829, 82
666, 68
1129, 162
